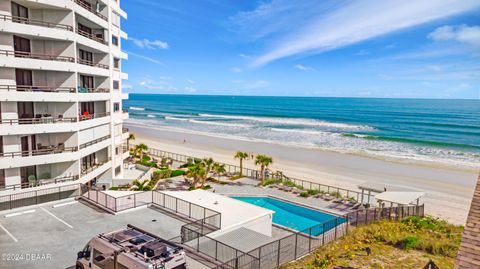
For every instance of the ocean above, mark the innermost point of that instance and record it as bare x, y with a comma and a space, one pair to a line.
444, 131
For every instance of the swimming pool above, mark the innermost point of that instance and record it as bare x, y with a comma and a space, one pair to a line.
291, 215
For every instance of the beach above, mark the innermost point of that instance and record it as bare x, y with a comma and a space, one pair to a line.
449, 189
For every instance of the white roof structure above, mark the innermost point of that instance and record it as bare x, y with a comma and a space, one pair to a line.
399, 197
235, 213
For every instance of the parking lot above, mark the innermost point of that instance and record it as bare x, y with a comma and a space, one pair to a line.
49, 236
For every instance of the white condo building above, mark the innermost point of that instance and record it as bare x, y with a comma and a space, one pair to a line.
60, 93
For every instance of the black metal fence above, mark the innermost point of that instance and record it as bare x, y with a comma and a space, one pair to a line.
367, 216
16, 200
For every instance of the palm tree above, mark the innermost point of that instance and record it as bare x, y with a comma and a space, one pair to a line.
207, 164
140, 185
219, 169
140, 148
241, 156
264, 161
130, 137
197, 172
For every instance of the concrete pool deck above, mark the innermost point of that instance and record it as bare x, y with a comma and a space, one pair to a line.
54, 234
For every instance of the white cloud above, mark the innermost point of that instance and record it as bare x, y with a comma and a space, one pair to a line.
244, 56
303, 68
236, 69
461, 33
333, 24
190, 89
190, 81
362, 53
257, 84
150, 59
149, 44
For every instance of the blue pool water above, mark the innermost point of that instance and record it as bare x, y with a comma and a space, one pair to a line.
291, 215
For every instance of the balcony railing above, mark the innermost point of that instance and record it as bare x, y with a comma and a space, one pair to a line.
41, 120
39, 182
93, 142
94, 116
124, 130
90, 63
93, 167
89, 8
36, 22
38, 152
124, 110
28, 88
37, 56
81, 89
92, 37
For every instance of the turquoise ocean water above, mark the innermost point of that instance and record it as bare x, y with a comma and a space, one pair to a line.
445, 131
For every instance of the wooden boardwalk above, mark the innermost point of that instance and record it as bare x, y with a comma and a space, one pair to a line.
469, 252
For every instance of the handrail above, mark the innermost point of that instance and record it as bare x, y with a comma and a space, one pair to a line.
92, 37
37, 56
94, 116
89, 8
32, 88
37, 152
93, 142
94, 167
36, 22
41, 182
81, 89
90, 63
47, 120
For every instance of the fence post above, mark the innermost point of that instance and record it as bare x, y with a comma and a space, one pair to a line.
310, 239
36, 197
295, 253
176, 205
134, 201
336, 224
323, 233
278, 253
189, 210
356, 219
216, 249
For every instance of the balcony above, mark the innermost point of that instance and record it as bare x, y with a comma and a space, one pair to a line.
90, 63
40, 182
94, 167
81, 89
39, 119
44, 151
36, 22
93, 142
92, 37
28, 88
124, 130
37, 56
89, 8
85, 117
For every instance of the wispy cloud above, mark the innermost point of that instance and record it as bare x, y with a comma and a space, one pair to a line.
257, 84
236, 69
469, 35
303, 68
244, 56
335, 24
362, 53
150, 59
149, 44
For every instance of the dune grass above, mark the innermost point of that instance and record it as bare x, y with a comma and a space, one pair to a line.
407, 244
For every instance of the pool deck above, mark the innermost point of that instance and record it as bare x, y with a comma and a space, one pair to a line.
249, 187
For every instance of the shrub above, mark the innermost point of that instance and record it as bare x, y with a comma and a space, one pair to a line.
313, 192
271, 181
206, 187
410, 242
176, 173
113, 189
304, 194
235, 177
146, 158
161, 174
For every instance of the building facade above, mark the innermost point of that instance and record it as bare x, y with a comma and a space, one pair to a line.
60, 92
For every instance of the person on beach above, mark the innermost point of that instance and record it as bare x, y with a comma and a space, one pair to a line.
184, 141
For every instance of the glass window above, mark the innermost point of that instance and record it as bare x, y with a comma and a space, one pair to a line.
116, 107
116, 84
116, 63
115, 40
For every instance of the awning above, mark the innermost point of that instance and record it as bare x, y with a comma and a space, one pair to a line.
399, 197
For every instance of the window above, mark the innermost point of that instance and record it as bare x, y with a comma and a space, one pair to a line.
115, 40
19, 12
1, 144
116, 84
116, 107
85, 55
115, 19
117, 170
86, 82
116, 63
2, 177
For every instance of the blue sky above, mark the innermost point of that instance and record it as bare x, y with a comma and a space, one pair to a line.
405, 49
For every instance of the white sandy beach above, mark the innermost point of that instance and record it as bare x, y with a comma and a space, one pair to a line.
449, 190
